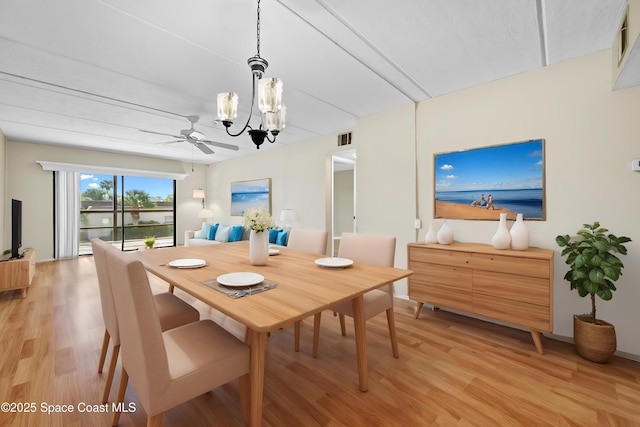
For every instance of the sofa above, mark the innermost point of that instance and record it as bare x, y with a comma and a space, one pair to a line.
215, 234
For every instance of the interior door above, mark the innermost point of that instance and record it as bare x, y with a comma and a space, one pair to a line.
343, 200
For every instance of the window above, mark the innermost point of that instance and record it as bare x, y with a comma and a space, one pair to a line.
126, 209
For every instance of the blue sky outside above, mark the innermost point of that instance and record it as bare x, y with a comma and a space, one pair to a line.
156, 187
503, 167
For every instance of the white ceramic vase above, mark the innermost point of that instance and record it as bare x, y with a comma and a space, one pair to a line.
432, 235
519, 234
258, 247
445, 234
502, 238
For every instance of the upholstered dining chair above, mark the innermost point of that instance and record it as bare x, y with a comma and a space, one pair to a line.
372, 249
308, 241
168, 368
172, 311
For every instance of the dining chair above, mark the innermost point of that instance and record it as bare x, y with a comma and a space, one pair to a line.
308, 241
168, 368
371, 249
173, 311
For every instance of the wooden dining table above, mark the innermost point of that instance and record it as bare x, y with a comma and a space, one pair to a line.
303, 289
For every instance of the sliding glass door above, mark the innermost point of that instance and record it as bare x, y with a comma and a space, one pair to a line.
123, 210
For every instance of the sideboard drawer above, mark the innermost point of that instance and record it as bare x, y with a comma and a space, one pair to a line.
437, 256
509, 264
516, 312
533, 290
441, 295
456, 277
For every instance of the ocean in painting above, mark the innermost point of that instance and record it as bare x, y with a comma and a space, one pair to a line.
241, 201
528, 202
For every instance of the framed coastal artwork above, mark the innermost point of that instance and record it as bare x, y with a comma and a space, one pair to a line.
482, 183
250, 194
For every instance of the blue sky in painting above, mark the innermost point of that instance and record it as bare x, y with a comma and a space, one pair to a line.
502, 167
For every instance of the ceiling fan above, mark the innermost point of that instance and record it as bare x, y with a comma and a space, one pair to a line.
194, 137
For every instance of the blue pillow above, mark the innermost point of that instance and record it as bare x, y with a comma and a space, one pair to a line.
236, 233
212, 232
203, 232
282, 238
273, 235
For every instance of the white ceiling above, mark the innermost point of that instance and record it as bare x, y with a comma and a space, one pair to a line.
91, 73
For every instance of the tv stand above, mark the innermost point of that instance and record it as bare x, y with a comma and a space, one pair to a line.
17, 273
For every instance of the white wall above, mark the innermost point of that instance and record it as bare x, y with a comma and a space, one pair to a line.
298, 175
34, 186
592, 134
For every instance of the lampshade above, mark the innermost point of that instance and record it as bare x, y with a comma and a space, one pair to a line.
198, 193
270, 94
275, 121
288, 216
205, 213
227, 106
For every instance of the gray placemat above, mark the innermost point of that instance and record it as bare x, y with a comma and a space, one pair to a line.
240, 292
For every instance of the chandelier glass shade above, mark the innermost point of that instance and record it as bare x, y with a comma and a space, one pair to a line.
268, 91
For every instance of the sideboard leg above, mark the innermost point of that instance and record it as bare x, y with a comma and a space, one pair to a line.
537, 341
418, 310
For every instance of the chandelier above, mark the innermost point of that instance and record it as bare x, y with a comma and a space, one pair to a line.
269, 94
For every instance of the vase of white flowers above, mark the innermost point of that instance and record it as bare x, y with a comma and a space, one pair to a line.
259, 221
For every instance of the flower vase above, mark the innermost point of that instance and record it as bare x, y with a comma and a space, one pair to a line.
432, 235
445, 234
519, 234
258, 247
502, 238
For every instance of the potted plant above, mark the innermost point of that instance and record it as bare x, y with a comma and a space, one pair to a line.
149, 241
593, 269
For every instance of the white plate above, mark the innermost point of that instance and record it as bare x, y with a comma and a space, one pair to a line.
274, 251
334, 262
187, 263
240, 279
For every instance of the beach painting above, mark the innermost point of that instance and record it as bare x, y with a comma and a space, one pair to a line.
250, 194
482, 183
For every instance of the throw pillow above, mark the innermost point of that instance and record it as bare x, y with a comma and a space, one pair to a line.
236, 233
203, 232
273, 235
212, 232
282, 238
222, 235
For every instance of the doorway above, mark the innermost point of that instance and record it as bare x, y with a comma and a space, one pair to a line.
343, 196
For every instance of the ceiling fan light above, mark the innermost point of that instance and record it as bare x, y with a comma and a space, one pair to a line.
227, 106
270, 94
275, 121
197, 135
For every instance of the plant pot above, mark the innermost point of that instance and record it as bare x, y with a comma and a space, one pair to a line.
259, 247
594, 341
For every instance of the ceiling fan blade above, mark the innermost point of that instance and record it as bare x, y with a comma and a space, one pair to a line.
171, 142
221, 145
203, 148
160, 133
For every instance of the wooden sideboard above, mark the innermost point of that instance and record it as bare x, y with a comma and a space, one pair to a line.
514, 287
18, 273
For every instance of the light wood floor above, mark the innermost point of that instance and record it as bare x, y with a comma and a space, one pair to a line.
452, 370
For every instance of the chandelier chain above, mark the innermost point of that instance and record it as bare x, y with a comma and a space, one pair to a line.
258, 30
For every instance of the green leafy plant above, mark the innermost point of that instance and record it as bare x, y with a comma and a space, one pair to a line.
593, 265
149, 241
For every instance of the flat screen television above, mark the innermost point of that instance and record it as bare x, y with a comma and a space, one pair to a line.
16, 228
